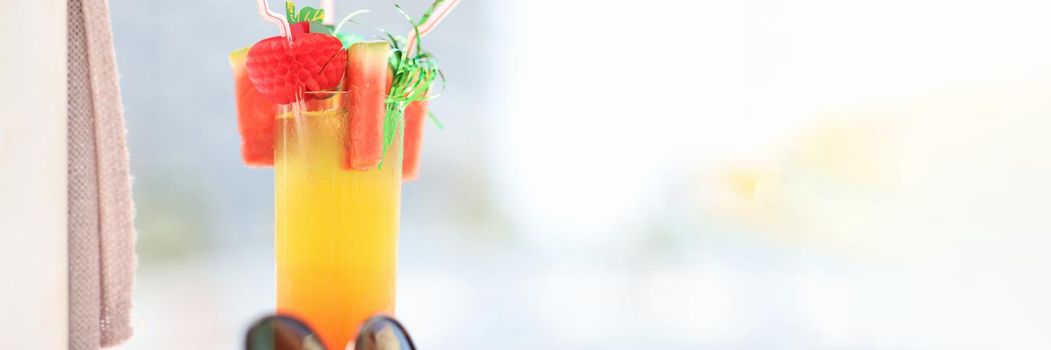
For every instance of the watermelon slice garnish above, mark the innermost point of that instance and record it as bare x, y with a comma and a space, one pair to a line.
255, 115
366, 85
415, 116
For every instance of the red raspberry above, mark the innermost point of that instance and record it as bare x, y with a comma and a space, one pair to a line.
314, 62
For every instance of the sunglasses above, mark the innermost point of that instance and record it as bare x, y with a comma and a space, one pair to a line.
282, 332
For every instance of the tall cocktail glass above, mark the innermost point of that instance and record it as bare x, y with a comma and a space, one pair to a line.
336, 228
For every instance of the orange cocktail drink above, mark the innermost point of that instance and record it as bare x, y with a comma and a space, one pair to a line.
336, 234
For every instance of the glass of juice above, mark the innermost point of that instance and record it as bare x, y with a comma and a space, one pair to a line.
336, 228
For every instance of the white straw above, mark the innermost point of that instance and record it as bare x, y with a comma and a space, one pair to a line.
267, 15
330, 11
349, 17
436, 17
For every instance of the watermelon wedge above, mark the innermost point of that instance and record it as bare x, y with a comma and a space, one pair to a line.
366, 85
255, 115
415, 117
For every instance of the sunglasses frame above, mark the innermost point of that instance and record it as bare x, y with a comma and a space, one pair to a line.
358, 341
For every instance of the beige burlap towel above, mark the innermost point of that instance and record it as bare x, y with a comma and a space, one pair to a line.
101, 231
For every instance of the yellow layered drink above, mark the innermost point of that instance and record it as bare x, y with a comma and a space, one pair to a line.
336, 233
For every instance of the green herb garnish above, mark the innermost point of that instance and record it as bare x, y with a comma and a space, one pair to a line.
413, 76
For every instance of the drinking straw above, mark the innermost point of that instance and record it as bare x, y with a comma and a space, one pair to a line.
330, 11
267, 15
348, 18
431, 22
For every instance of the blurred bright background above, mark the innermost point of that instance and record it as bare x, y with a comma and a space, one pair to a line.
764, 174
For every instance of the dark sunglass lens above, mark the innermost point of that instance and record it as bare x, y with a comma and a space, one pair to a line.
383, 333
281, 333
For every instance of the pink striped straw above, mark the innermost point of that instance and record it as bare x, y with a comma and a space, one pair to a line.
437, 17
267, 15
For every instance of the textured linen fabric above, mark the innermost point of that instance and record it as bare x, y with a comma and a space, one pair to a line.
101, 230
